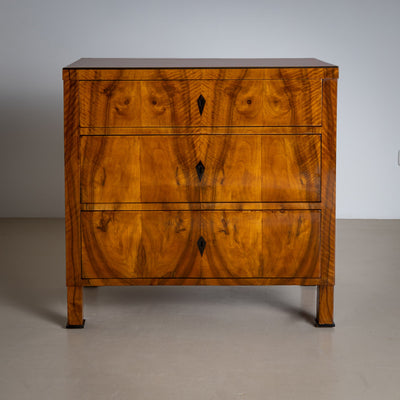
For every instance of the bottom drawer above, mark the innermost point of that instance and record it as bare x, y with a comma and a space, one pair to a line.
201, 244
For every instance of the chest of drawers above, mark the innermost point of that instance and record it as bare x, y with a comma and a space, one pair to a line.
200, 172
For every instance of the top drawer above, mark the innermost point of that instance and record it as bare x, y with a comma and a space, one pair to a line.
175, 103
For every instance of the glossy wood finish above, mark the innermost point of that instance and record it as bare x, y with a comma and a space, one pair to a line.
326, 288
291, 168
200, 281
325, 306
75, 307
268, 168
174, 103
135, 207
163, 244
255, 244
197, 63
170, 69
72, 205
198, 74
140, 244
72, 183
329, 181
198, 206
203, 130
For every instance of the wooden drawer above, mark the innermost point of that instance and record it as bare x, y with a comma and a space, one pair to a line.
200, 103
206, 168
201, 244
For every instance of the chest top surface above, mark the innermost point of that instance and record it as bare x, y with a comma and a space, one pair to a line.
196, 63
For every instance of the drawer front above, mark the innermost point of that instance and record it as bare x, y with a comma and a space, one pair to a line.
206, 244
200, 103
206, 168
134, 244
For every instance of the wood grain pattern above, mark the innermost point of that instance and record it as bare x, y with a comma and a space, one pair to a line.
291, 243
247, 244
75, 305
140, 244
325, 291
174, 103
325, 306
110, 169
291, 168
200, 74
72, 206
200, 281
234, 244
203, 130
329, 181
261, 244
268, 168
198, 206
72, 183
135, 207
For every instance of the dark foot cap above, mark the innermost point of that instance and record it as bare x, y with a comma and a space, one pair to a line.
75, 326
318, 325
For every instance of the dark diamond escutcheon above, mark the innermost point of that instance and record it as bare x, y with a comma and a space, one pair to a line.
201, 244
200, 168
201, 102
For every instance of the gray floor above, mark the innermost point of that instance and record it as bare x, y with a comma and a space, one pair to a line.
199, 342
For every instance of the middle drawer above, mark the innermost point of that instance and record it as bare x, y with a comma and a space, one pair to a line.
200, 168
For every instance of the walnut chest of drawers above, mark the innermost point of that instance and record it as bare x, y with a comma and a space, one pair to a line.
200, 172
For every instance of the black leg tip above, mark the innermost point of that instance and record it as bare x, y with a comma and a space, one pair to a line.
68, 326
318, 325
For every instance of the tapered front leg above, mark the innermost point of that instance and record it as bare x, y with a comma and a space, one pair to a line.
75, 307
325, 306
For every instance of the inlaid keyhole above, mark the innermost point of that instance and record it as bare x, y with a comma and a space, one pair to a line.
201, 102
200, 168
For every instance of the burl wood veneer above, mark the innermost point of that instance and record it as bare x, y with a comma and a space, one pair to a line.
200, 172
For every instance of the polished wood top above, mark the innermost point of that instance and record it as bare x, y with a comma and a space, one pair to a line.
196, 63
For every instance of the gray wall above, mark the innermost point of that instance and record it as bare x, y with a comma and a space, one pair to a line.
39, 37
